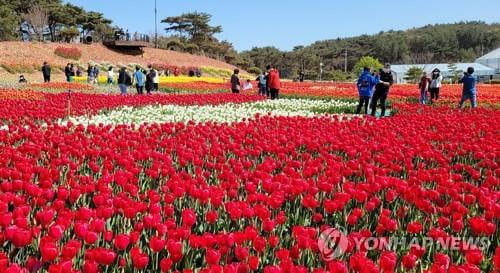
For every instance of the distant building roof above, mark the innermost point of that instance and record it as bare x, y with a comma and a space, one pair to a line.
491, 59
480, 69
495, 54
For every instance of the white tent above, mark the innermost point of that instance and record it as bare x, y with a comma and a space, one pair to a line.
491, 59
481, 71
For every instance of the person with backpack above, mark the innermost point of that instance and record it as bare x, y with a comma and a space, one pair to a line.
139, 80
46, 70
382, 89
423, 85
274, 82
124, 80
436, 83
469, 91
235, 82
365, 84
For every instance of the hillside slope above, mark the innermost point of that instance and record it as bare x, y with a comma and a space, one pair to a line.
23, 53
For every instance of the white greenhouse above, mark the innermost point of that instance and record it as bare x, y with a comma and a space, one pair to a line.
484, 73
492, 60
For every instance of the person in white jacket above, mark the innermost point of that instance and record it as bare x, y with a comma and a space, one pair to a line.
436, 83
156, 81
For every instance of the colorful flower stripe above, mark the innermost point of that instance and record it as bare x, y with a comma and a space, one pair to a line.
56, 106
62, 86
10, 94
224, 113
253, 196
196, 87
186, 79
449, 93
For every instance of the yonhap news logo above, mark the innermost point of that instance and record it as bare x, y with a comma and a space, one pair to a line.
332, 244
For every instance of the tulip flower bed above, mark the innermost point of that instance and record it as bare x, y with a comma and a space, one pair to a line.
195, 87
62, 86
186, 79
252, 196
10, 94
223, 113
60, 105
449, 93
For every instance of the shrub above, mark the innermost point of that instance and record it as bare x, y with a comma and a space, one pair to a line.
254, 70
68, 52
19, 68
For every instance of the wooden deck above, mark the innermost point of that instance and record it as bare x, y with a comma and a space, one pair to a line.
125, 44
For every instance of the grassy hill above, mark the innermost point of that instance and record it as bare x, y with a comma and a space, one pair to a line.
30, 56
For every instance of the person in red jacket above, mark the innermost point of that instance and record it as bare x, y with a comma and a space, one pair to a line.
274, 82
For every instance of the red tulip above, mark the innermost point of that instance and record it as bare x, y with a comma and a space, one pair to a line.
188, 218
156, 244
139, 259
122, 241
212, 257
165, 264
409, 261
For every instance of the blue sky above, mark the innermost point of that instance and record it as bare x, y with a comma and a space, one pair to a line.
287, 23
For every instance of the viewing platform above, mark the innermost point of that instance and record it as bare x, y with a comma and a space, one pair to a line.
126, 44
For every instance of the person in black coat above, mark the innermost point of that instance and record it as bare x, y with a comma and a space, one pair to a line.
67, 72
124, 80
46, 70
382, 89
150, 77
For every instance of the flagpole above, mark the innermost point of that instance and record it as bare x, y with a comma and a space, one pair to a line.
156, 26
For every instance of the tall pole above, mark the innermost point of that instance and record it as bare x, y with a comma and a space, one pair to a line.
320, 71
156, 26
345, 61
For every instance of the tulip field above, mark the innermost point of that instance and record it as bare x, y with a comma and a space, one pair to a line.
212, 182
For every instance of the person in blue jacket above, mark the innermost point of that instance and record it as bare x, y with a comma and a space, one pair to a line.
365, 84
469, 91
139, 79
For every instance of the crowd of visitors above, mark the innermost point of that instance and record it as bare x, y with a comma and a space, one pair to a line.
373, 87
268, 83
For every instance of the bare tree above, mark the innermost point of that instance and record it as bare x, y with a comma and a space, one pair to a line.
37, 18
421, 58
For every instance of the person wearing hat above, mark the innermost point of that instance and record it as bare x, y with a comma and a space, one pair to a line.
382, 89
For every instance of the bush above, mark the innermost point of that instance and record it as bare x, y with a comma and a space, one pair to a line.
68, 52
254, 70
19, 68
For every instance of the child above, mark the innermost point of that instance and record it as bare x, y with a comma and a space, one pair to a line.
424, 87
247, 86
22, 79
469, 91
